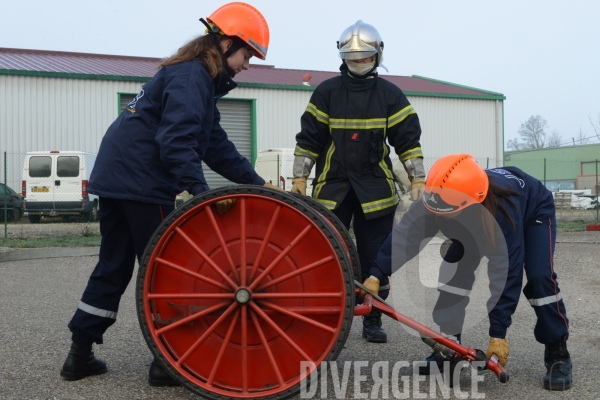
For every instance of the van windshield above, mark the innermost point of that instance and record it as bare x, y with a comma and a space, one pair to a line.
67, 167
40, 166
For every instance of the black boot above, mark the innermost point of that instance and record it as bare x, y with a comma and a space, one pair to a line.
438, 359
558, 367
372, 330
158, 376
81, 362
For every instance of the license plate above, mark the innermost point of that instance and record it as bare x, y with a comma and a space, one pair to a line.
41, 189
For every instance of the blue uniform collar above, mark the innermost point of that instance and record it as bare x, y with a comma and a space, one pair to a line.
223, 84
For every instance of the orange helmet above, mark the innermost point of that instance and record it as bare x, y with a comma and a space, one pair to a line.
244, 21
455, 182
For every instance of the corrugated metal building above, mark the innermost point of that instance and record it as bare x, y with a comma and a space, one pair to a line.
66, 101
560, 168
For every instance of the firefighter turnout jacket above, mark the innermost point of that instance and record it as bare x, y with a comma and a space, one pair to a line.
344, 129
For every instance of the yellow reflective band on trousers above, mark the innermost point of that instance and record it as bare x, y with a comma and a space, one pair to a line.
299, 151
412, 153
400, 116
318, 114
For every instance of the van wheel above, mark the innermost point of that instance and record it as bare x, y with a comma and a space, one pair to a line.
34, 219
15, 215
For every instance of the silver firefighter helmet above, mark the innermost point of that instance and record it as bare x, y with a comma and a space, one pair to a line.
361, 41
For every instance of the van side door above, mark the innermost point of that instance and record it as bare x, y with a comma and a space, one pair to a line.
39, 178
67, 182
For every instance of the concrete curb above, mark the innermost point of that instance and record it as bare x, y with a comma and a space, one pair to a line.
48, 252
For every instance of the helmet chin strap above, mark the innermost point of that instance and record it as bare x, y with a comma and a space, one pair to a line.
213, 31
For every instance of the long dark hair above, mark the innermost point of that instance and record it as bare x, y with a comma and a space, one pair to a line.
204, 49
492, 204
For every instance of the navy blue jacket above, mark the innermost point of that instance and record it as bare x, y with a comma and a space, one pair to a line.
534, 202
154, 149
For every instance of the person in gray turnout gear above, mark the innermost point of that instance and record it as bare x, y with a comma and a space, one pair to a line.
344, 131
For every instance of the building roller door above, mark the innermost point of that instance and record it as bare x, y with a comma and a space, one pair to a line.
236, 120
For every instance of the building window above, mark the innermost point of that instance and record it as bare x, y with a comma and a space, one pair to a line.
124, 99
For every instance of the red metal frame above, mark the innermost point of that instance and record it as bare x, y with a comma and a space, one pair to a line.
466, 353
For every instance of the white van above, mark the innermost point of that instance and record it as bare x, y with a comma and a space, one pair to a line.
276, 167
55, 184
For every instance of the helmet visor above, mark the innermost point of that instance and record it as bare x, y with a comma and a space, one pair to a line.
356, 49
356, 54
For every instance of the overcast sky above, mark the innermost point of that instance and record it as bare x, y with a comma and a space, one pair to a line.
544, 56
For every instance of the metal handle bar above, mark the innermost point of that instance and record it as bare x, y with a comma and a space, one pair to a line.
467, 353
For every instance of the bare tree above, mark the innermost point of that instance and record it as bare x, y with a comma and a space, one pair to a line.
554, 140
532, 133
596, 127
514, 144
580, 138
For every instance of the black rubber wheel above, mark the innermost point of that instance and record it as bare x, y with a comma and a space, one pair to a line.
11, 215
343, 232
297, 300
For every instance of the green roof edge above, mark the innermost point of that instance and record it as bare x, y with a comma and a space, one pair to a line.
460, 86
408, 93
488, 96
75, 75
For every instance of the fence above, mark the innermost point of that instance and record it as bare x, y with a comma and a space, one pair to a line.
575, 185
46, 194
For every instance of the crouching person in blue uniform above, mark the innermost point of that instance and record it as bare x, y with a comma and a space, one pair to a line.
152, 152
508, 217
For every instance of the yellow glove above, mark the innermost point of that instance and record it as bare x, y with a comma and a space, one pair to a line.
270, 186
224, 205
500, 348
371, 283
417, 186
299, 186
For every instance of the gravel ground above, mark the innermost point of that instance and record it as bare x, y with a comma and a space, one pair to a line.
23, 229
38, 297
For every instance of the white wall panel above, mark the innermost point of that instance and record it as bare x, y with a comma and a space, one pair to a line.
459, 126
278, 114
41, 113
449, 125
47, 113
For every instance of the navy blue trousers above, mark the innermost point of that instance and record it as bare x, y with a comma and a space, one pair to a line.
126, 227
541, 289
370, 233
